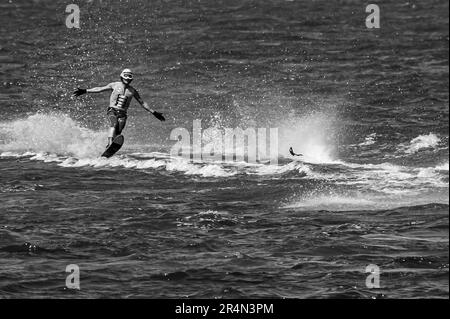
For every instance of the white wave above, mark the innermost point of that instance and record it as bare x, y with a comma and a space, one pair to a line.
158, 161
369, 140
17, 155
209, 170
59, 139
332, 202
275, 170
442, 167
385, 178
50, 133
421, 142
213, 212
350, 201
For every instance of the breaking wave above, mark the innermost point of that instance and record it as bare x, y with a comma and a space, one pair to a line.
422, 142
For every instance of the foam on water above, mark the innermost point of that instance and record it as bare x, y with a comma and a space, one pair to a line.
50, 133
375, 186
421, 142
348, 201
310, 135
164, 161
442, 167
369, 140
332, 202
56, 138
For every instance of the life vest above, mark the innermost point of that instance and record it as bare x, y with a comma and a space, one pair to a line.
121, 101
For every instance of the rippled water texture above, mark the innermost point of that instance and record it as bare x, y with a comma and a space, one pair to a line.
368, 109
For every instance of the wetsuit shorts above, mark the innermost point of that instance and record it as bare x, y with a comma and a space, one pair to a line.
117, 119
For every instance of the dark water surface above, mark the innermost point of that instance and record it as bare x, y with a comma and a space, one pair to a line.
367, 108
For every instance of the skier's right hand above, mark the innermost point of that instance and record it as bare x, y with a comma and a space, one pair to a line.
79, 92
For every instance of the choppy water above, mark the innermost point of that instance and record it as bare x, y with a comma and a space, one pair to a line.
367, 108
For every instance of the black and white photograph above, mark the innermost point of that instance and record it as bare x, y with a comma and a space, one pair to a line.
242, 151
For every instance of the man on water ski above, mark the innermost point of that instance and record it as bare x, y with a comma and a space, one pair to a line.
121, 95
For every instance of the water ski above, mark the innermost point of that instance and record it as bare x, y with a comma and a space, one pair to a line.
291, 150
114, 147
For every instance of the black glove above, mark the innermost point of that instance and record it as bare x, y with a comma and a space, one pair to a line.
159, 116
79, 92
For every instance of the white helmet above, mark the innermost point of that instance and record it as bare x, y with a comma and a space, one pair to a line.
127, 74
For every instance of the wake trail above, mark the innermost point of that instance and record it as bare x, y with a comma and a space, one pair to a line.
56, 138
